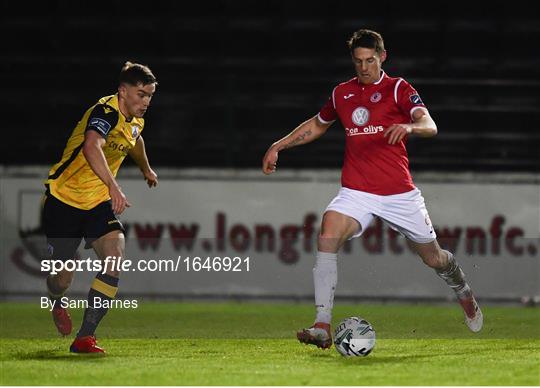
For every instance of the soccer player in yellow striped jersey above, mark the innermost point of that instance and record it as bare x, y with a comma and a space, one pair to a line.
83, 198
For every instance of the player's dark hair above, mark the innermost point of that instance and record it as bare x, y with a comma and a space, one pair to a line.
135, 73
367, 39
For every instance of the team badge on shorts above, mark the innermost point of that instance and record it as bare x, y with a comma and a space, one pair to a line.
375, 97
360, 116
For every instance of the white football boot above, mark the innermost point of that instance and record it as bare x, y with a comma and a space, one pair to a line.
474, 319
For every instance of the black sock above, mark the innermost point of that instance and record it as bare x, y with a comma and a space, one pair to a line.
103, 290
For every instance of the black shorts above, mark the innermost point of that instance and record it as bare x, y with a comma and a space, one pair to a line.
65, 226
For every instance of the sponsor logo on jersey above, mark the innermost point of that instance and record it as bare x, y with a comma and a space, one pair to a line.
348, 96
360, 116
123, 148
101, 125
134, 131
369, 130
375, 97
415, 99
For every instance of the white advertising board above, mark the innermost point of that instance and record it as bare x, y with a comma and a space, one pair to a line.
271, 226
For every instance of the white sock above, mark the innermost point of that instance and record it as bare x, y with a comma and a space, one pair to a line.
325, 281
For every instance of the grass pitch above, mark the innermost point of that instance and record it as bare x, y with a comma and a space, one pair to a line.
254, 344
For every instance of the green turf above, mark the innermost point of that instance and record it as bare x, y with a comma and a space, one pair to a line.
253, 344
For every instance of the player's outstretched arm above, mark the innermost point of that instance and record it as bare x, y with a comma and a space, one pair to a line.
305, 133
93, 142
138, 154
422, 125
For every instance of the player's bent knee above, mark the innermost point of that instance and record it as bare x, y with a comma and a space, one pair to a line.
434, 260
328, 243
110, 248
331, 242
112, 244
113, 238
64, 283
326, 236
63, 279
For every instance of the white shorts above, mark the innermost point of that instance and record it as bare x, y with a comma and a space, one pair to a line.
405, 212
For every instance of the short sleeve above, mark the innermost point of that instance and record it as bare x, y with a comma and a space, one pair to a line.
407, 98
328, 113
102, 119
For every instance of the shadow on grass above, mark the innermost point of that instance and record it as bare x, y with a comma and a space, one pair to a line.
369, 360
57, 354
381, 359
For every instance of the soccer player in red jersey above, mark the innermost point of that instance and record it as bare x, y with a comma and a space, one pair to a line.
378, 113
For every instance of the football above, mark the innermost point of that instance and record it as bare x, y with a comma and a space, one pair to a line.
354, 337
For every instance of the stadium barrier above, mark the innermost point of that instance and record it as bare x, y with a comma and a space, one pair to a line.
218, 233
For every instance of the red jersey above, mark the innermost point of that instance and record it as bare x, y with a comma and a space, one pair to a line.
366, 111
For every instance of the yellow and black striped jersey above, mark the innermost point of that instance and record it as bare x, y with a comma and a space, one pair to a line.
72, 180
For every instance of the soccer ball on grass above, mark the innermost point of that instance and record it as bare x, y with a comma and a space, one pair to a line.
354, 337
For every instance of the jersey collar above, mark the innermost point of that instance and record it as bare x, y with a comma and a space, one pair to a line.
383, 75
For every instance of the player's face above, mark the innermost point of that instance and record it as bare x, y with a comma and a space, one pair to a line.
367, 64
136, 98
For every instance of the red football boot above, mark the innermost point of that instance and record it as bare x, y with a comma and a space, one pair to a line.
62, 320
319, 335
86, 344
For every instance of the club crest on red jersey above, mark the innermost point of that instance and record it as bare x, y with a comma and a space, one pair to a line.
360, 116
375, 97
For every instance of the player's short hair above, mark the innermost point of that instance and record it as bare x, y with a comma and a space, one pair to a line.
135, 73
367, 39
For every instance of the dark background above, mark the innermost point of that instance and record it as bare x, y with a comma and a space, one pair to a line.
235, 76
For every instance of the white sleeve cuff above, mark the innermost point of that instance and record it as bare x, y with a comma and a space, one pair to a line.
415, 108
324, 121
